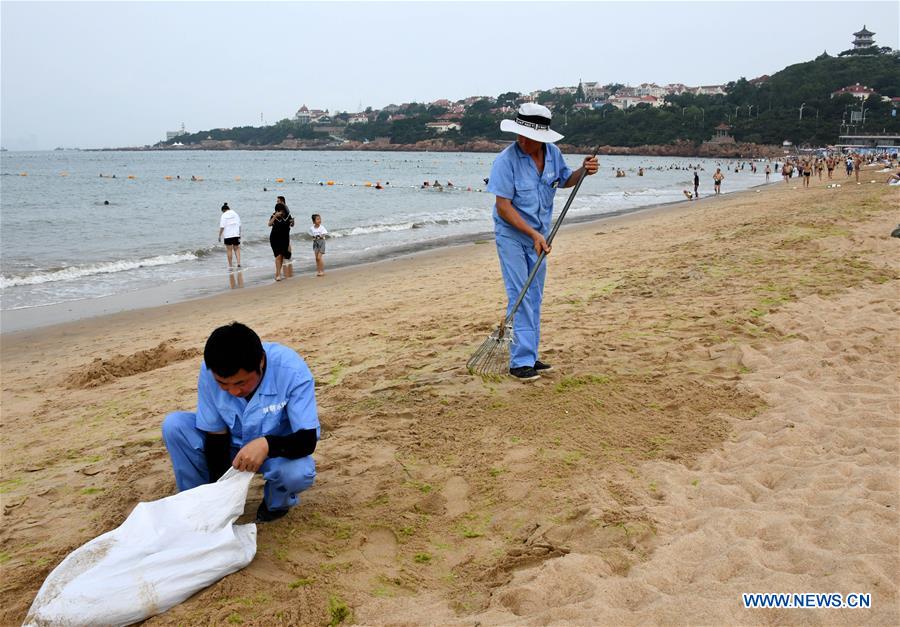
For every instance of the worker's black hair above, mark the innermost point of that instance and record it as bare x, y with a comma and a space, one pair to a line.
231, 348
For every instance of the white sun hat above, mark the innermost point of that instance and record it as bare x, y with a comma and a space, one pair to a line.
532, 121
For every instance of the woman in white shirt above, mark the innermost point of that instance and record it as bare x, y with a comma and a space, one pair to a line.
318, 233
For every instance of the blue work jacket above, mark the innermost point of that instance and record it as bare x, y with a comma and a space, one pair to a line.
284, 402
514, 176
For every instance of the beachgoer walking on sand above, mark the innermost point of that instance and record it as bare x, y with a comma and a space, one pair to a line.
857, 165
318, 233
280, 237
256, 411
230, 229
768, 172
288, 265
524, 180
696, 185
717, 181
806, 169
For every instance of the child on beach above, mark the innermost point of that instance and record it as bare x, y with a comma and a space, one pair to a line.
318, 233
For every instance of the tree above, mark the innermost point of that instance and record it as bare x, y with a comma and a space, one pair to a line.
480, 107
579, 93
508, 99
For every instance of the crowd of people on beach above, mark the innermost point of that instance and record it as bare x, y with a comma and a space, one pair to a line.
280, 222
805, 167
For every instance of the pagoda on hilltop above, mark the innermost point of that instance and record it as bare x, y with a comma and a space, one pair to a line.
863, 39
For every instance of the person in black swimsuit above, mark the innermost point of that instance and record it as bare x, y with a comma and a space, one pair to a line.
280, 237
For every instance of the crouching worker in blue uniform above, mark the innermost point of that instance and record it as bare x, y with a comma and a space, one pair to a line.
524, 179
256, 411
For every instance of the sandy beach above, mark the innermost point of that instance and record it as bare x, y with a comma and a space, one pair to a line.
723, 417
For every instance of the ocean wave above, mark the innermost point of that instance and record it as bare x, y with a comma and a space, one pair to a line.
78, 272
415, 221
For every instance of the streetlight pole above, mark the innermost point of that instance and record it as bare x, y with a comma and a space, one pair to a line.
801, 111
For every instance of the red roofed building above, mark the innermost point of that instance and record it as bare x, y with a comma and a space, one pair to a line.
859, 91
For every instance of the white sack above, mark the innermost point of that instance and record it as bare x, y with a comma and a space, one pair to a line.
164, 552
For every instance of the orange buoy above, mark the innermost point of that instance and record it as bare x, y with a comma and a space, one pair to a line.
131, 176
64, 174
168, 178
23, 174
329, 183
279, 180
368, 184
237, 178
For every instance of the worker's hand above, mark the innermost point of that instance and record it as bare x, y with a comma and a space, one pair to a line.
252, 455
590, 165
540, 244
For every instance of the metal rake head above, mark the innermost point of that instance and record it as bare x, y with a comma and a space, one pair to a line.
492, 357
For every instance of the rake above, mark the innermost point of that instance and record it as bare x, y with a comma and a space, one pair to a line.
492, 357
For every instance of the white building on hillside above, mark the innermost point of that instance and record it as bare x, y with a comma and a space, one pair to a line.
443, 127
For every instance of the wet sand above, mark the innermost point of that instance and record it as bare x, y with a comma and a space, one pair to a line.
722, 418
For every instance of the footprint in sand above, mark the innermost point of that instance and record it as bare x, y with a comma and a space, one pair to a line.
380, 547
456, 491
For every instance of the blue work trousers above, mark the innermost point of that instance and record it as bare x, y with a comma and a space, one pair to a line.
285, 478
516, 261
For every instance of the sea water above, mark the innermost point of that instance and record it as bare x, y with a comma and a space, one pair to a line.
82, 224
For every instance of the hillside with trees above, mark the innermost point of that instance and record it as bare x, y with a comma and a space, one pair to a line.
795, 104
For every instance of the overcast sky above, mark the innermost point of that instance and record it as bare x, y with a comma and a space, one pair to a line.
103, 74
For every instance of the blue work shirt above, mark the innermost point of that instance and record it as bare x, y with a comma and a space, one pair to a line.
284, 402
514, 176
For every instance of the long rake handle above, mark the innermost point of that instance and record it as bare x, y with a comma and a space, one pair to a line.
543, 255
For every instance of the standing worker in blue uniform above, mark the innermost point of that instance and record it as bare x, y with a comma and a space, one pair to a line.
256, 411
524, 179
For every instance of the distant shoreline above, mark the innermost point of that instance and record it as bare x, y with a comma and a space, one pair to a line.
678, 149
